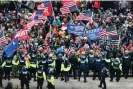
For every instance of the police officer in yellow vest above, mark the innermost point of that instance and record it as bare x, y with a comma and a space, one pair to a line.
8, 67
40, 77
50, 80
23, 62
15, 63
117, 67
33, 66
51, 60
65, 68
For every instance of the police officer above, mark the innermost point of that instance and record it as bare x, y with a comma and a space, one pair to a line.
40, 77
15, 63
22, 62
24, 78
8, 67
51, 60
33, 66
65, 68
1, 75
83, 64
90, 60
126, 64
43, 62
104, 73
107, 61
58, 64
74, 63
53, 69
50, 79
116, 67
97, 66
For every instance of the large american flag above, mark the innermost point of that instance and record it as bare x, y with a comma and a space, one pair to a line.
104, 32
86, 16
66, 7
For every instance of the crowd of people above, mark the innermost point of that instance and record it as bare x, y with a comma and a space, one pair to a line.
63, 54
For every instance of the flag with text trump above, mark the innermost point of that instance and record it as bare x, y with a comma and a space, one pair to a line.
94, 34
76, 29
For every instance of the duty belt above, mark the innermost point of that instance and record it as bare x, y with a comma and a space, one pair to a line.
8, 66
40, 76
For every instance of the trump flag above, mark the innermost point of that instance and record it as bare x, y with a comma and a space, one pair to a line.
94, 34
76, 29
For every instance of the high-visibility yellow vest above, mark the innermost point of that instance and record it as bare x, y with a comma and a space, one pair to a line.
42, 76
65, 69
51, 80
15, 63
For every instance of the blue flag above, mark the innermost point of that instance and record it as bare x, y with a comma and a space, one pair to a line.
76, 29
39, 12
9, 49
88, 14
94, 34
46, 3
73, 8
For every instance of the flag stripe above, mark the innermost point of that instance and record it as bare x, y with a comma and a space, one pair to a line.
3, 41
85, 17
104, 32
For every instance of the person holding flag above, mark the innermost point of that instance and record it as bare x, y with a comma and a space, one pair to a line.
9, 50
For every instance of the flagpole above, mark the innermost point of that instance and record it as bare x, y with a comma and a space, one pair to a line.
119, 41
54, 19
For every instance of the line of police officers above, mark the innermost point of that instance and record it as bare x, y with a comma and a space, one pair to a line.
46, 67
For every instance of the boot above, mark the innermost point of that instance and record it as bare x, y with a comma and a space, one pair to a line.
85, 81
62, 79
99, 86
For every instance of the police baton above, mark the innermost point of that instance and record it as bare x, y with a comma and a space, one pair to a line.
17, 87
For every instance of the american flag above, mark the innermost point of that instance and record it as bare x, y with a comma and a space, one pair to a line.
66, 1
45, 8
32, 16
42, 7
104, 32
86, 16
2, 39
40, 17
66, 7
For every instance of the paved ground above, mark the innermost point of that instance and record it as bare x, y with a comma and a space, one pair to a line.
74, 84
